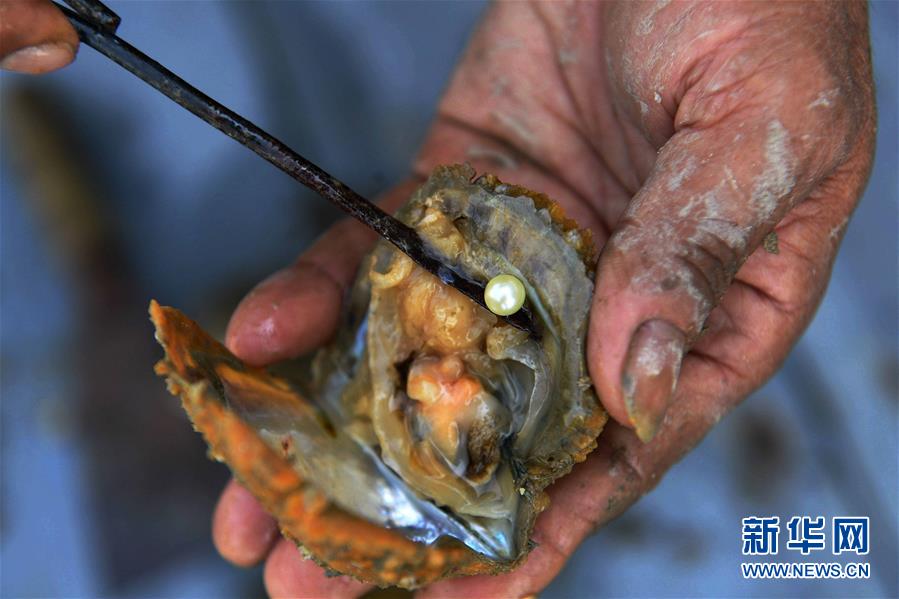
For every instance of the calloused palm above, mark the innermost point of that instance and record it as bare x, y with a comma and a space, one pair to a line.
682, 134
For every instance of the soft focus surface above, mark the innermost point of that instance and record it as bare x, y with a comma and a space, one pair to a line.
107, 492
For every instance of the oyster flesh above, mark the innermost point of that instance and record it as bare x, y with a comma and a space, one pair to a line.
417, 445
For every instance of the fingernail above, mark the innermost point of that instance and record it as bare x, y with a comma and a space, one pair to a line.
650, 374
39, 59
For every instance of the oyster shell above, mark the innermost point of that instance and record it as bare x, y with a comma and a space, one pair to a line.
418, 444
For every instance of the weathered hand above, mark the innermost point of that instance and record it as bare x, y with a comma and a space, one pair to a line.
35, 37
682, 134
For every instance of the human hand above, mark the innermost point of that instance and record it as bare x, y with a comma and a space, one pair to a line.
682, 134
35, 37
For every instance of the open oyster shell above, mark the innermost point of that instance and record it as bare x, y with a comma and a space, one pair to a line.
418, 444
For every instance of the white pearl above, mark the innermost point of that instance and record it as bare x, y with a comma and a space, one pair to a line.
504, 295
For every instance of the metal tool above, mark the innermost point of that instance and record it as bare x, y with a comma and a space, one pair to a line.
96, 25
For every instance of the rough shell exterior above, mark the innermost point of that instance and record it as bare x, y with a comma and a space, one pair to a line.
199, 369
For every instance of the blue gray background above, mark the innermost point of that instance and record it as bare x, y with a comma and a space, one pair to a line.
106, 491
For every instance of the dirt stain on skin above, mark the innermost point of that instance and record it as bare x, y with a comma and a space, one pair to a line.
516, 126
770, 243
681, 171
731, 180
669, 283
824, 99
500, 159
567, 56
499, 86
778, 178
647, 23
836, 233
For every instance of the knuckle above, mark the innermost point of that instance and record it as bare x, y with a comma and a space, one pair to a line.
627, 467
716, 249
694, 262
705, 265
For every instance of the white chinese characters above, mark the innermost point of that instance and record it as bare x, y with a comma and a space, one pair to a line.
761, 535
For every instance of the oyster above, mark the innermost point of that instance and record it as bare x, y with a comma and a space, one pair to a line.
418, 444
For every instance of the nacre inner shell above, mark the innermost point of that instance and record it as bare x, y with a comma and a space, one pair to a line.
426, 417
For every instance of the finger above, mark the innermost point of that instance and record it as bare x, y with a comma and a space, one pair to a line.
594, 492
622, 469
715, 192
541, 566
297, 308
517, 114
289, 574
242, 531
35, 37
617, 473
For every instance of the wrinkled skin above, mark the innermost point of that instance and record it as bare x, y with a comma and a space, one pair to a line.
709, 126
682, 134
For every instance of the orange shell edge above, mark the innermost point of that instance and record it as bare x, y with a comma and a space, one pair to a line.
336, 539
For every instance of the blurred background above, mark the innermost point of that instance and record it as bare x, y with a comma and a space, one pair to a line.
112, 195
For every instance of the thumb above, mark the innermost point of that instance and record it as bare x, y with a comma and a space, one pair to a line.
35, 37
710, 200
297, 309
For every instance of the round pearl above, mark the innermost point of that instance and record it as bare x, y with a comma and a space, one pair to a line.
504, 295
